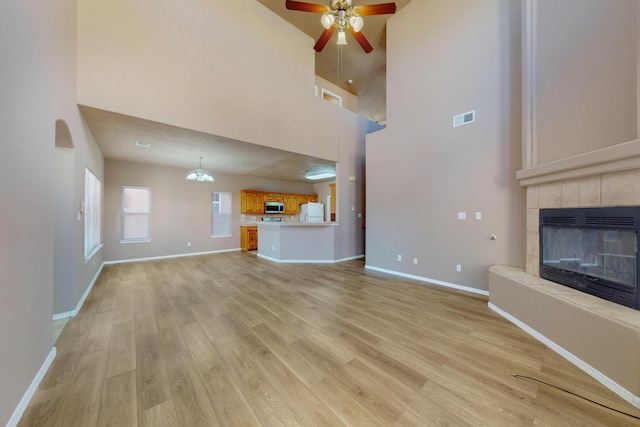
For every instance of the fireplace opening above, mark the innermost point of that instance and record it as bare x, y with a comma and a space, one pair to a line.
593, 250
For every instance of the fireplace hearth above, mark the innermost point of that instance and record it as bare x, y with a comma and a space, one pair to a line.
593, 250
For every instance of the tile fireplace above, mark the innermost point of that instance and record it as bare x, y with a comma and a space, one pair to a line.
593, 250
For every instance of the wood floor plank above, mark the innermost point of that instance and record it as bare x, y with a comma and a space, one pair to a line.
309, 409
170, 335
152, 382
192, 404
342, 404
118, 406
232, 339
295, 362
42, 414
122, 349
208, 321
123, 307
100, 332
228, 400
250, 376
161, 415
82, 398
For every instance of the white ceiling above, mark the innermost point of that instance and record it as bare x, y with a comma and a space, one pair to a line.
116, 134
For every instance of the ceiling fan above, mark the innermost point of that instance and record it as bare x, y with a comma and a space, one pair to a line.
342, 15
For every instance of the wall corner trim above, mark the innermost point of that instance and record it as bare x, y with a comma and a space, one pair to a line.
431, 281
26, 398
584, 366
75, 311
154, 258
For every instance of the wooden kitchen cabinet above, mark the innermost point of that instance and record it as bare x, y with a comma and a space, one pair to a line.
273, 197
290, 204
306, 198
333, 201
249, 238
251, 202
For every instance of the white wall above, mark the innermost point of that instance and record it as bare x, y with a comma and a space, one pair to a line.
181, 209
583, 95
446, 57
349, 234
37, 82
228, 68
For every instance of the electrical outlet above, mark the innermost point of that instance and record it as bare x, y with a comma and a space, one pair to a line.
458, 268
399, 257
478, 215
415, 260
462, 215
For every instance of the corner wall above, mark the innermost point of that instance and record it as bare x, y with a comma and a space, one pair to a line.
446, 58
37, 82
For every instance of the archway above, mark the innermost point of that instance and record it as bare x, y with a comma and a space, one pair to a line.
64, 223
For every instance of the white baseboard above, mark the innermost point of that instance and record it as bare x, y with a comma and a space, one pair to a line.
590, 370
26, 398
432, 281
309, 261
74, 312
65, 315
351, 258
123, 261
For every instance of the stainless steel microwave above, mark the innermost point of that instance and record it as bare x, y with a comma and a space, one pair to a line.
273, 207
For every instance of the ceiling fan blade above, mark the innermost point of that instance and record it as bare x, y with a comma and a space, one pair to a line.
360, 38
324, 38
306, 7
375, 9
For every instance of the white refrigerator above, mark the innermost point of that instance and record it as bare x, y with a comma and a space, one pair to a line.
311, 212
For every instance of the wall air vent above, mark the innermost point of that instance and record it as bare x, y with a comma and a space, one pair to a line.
464, 118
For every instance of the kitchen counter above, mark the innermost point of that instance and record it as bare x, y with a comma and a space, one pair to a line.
290, 241
295, 223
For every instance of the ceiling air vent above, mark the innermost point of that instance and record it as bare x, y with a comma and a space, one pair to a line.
464, 118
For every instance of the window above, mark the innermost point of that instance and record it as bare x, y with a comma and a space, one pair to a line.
92, 208
136, 214
220, 214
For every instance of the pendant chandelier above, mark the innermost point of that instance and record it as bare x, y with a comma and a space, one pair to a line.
200, 174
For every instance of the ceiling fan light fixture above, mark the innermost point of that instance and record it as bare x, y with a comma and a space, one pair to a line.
327, 20
199, 175
342, 38
356, 23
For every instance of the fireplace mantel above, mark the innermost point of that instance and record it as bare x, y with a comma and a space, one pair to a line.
617, 158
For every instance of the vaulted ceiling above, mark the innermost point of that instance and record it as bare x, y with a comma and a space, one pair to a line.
341, 64
117, 134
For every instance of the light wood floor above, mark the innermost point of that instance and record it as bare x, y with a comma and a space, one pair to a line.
230, 339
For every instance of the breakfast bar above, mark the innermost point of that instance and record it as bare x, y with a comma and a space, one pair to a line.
289, 241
